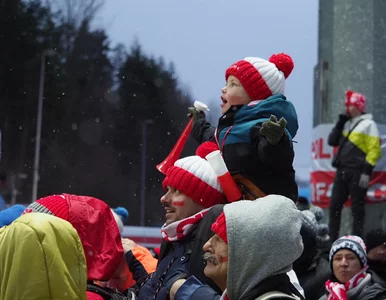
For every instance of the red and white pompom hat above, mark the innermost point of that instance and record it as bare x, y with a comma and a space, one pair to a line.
356, 99
262, 78
194, 177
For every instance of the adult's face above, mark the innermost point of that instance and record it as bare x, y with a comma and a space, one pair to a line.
178, 206
345, 264
216, 257
378, 253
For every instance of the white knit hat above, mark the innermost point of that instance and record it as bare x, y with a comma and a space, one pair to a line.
262, 78
194, 177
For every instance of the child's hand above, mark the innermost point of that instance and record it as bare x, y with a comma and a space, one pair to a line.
195, 113
273, 130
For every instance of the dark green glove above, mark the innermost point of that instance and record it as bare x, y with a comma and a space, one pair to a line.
273, 130
195, 113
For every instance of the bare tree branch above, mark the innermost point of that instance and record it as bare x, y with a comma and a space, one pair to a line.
75, 12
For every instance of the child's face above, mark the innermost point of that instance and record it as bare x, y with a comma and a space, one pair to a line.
233, 94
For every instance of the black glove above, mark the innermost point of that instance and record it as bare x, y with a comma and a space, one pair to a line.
343, 118
195, 113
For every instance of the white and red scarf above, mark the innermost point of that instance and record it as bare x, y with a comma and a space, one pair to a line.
179, 229
224, 295
338, 291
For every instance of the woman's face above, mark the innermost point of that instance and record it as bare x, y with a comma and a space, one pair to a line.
345, 264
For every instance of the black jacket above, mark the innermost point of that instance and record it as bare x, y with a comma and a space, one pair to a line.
181, 259
361, 150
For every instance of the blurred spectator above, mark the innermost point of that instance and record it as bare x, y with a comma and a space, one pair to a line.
10, 214
376, 254
41, 257
350, 279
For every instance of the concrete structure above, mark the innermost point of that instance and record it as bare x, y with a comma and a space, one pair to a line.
351, 51
352, 55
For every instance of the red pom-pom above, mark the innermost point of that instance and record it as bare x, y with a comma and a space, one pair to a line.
283, 62
349, 94
204, 149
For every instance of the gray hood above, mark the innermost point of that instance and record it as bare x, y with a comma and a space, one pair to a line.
263, 240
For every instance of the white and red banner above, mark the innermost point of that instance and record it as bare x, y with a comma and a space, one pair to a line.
322, 173
149, 237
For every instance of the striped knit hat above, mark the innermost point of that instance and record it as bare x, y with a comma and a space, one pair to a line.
350, 242
262, 78
194, 177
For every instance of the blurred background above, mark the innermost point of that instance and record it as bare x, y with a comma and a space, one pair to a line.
94, 94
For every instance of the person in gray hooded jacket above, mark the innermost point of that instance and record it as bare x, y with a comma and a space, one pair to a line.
254, 246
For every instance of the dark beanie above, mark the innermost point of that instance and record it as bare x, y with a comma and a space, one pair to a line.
375, 238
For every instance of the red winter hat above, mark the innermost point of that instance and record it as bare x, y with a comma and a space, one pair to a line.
194, 177
262, 78
356, 99
220, 227
96, 227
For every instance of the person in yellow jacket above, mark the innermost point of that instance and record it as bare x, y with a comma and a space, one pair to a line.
357, 138
41, 257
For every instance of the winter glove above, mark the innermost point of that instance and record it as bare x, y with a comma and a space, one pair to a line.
364, 181
343, 118
195, 113
273, 130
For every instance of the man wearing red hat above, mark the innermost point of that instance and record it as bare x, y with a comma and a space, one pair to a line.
357, 138
192, 202
250, 254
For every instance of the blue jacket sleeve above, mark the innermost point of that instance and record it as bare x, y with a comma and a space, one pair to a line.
193, 289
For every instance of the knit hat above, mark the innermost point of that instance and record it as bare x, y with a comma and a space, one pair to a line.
7, 216
350, 242
375, 238
219, 227
194, 177
262, 78
120, 215
356, 99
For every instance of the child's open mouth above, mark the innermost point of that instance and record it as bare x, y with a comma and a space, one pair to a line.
224, 101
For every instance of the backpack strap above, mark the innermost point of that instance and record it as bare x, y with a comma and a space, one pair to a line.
277, 295
106, 293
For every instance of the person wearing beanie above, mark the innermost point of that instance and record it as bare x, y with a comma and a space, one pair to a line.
256, 128
357, 138
250, 254
350, 278
311, 267
192, 201
120, 215
376, 254
41, 257
93, 220
8, 215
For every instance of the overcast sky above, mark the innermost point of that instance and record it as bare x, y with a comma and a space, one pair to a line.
204, 37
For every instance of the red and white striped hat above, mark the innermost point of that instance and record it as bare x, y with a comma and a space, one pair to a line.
194, 177
262, 78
